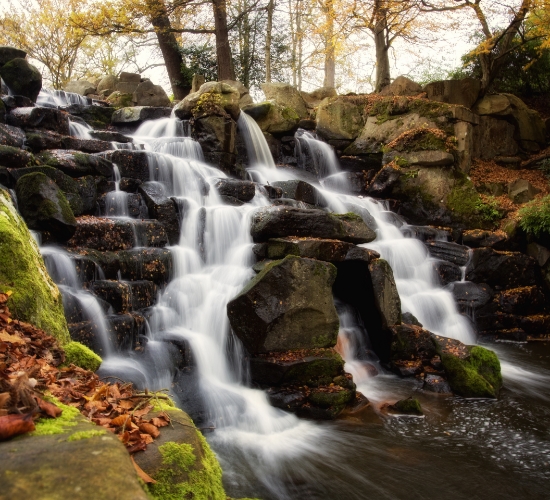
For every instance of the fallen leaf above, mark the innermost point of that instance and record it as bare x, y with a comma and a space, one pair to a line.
13, 425
4, 398
139, 446
149, 429
12, 339
120, 420
48, 408
159, 422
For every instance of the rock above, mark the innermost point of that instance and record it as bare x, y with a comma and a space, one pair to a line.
98, 117
494, 137
340, 118
313, 248
539, 253
346, 182
110, 136
161, 208
43, 118
126, 87
447, 272
521, 301
138, 114
22, 78
119, 99
212, 99
301, 191
464, 134
386, 297
11, 136
182, 463
131, 163
472, 371
129, 77
35, 299
68, 441
521, 191
107, 85
14, 157
331, 397
314, 98
449, 251
464, 92
275, 222
272, 117
501, 270
241, 190
407, 406
402, 86
217, 137
425, 158
149, 94
469, 295
384, 181
479, 238
125, 296
75, 163
437, 384
244, 94
82, 87
286, 306
310, 367
286, 96
117, 234
44, 206
9, 53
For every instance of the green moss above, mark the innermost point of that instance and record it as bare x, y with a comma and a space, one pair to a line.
160, 404
35, 299
120, 100
290, 114
209, 103
80, 355
535, 217
65, 208
204, 477
328, 399
477, 376
409, 406
49, 426
468, 206
77, 436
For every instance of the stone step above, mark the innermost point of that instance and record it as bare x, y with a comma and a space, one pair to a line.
131, 163
449, 251
75, 163
125, 296
40, 140
117, 234
136, 207
38, 117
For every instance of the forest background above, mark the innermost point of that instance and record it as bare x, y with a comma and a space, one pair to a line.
353, 45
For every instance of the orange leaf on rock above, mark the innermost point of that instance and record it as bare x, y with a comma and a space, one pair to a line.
48, 408
149, 429
120, 420
13, 425
148, 439
159, 422
146, 478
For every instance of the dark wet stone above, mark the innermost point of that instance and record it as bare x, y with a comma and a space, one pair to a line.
42, 118
313, 248
447, 272
75, 163
241, 190
301, 191
11, 136
161, 208
134, 164
22, 78
449, 251
470, 295
125, 296
437, 384
476, 238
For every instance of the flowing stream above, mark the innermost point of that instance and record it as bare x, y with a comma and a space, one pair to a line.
461, 449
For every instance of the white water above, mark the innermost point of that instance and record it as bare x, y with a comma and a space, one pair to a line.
116, 202
256, 145
82, 131
55, 98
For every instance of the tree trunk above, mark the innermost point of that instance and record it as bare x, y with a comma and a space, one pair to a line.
223, 50
382, 48
269, 30
330, 62
169, 47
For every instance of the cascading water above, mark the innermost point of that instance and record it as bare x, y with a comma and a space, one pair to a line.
60, 98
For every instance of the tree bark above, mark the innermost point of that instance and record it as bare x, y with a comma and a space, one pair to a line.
269, 30
382, 46
226, 70
169, 47
330, 59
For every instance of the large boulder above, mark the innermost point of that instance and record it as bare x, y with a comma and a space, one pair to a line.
212, 98
340, 118
44, 206
494, 137
313, 248
287, 306
286, 95
9, 53
245, 97
217, 136
464, 92
107, 85
11, 136
82, 87
149, 94
138, 114
273, 117
402, 86
40, 118
276, 222
301, 191
76, 164
35, 298
22, 78
386, 297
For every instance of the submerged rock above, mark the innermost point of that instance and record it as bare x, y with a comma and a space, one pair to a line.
287, 306
407, 406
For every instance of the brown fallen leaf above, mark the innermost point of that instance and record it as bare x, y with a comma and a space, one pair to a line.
146, 478
13, 425
12, 339
120, 420
149, 429
139, 446
4, 399
148, 439
159, 422
48, 408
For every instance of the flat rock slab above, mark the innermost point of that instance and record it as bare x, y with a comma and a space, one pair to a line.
276, 222
313, 248
449, 251
126, 296
58, 467
43, 118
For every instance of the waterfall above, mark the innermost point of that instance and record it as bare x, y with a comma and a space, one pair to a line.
256, 145
60, 98
82, 131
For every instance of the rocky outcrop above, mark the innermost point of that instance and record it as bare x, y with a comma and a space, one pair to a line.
463, 92
149, 94
22, 78
286, 306
286, 95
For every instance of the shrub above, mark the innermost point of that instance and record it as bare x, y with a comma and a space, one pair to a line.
535, 217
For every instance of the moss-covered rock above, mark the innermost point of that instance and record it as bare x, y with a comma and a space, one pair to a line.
22, 78
15, 157
35, 299
120, 100
472, 371
272, 117
409, 406
182, 463
80, 355
44, 206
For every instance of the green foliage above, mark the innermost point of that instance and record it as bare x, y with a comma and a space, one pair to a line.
467, 204
49, 426
544, 165
200, 60
78, 436
535, 217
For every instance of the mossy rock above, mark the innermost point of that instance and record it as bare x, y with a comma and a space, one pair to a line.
36, 298
472, 371
336, 397
80, 355
409, 406
182, 463
120, 100
22, 78
12, 157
